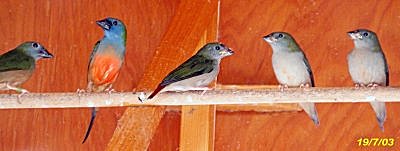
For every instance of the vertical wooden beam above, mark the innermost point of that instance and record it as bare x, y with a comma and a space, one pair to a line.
197, 128
138, 124
198, 122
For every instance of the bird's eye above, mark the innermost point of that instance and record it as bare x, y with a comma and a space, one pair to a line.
217, 48
115, 23
35, 45
280, 35
365, 34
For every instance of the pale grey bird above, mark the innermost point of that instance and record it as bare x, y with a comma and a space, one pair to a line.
197, 72
291, 67
368, 67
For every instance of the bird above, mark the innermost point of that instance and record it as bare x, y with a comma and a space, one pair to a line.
106, 60
197, 72
368, 67
18, 65
291, 67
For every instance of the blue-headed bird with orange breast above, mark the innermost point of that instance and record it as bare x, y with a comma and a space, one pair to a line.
106, 60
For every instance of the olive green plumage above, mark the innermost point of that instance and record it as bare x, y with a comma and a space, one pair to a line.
17, 65
195, 66
196, 72
16, 59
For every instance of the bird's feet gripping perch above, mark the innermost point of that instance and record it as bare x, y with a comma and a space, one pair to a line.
373, 85
19, 90
359, 85
142, 96
305, 86
283, 87
204, 89
109, 90
81, 91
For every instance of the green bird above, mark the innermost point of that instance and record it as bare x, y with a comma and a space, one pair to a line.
197, 72
17, 65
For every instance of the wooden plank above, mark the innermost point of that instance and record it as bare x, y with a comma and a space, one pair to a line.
179, 42
197, 128
198, 122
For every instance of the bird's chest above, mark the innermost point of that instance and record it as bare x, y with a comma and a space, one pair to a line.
14, 78
290, 69
105, 68
366, 67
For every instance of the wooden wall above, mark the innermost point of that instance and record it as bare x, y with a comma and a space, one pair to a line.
67, 28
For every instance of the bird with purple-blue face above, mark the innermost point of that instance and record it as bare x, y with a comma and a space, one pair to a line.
106, 60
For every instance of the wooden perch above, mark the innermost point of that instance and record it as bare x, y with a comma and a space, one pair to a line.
212, 97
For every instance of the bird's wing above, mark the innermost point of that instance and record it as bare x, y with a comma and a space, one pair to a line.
195, 66
309, 70
16, 60
95, 48
386, 69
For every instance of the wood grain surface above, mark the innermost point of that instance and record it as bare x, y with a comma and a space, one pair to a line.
68, 30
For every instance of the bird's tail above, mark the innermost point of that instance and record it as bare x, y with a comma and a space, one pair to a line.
380, 111
155, 92
309, 108
94, 111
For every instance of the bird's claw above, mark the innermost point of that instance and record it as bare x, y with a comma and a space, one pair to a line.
373, 85
80, 91
304, 85
109, 91
283, 87
202, 93
23, 92
203, 89
359, 85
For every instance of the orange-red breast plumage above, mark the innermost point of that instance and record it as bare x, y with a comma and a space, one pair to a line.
106, 60
103, 71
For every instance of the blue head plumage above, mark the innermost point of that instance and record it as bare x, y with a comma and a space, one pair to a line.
114, 29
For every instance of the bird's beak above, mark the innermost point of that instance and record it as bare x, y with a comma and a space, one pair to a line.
46, 54
269, 38
105, 24
230, 51
355, 34
227, 52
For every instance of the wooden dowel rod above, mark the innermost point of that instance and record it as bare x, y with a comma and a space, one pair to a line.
212, 97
